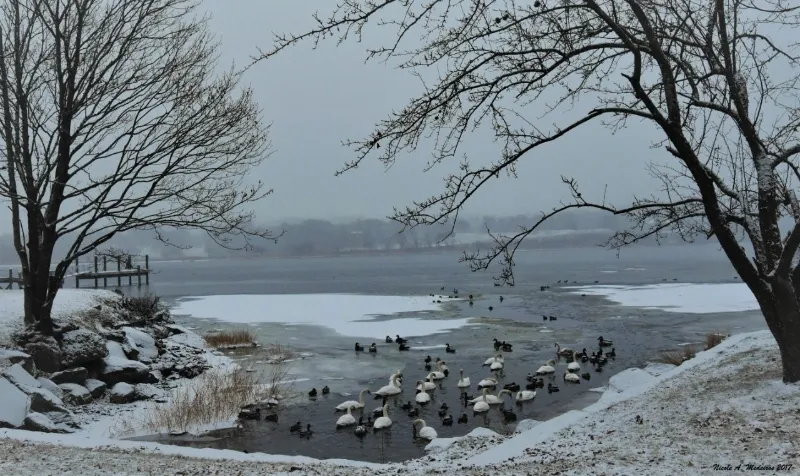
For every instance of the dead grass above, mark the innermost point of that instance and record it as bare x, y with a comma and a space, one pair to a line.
714, 339
234, 337
277, 353
677, 357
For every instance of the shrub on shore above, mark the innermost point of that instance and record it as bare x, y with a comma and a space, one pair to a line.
234, 337
714, 339
686, 352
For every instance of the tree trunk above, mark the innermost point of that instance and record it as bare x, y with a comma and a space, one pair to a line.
782, 313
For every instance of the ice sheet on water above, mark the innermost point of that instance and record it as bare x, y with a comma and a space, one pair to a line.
347, 314
678, 297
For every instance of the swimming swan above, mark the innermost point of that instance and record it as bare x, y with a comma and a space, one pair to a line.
422, 397
346, 420
426, 432
392, 389
548, 368
488, 382
565, 351
524, 396
352, 403
492, 399
427, 384
572, 378
463, 382
437, 374
574, 366
497, 358
481, 406
496, 366
384, 421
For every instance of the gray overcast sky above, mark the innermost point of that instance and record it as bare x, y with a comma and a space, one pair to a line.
315, 99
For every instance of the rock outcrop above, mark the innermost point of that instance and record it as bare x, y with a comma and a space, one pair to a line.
45, 353
80, 347
96, 387
75, 394
77, 375
117, 370
122, 393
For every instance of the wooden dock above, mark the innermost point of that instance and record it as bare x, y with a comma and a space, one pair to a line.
105, 274
9, 281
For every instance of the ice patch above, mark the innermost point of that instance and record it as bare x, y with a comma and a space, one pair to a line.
678, 297
427, 347
347, 314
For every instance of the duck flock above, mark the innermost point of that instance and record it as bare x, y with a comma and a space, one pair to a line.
438, 372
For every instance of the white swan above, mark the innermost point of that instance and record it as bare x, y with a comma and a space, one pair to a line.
547, 368
487, 382
426, 432
392, 389
437, 374
569, 377
564, 351
574, 366
346, 420
427, 384
384, 421
525, 395
489, 398
482, 405
497, 358
463, 382
352, 404
443, 367
422, 397
496, 366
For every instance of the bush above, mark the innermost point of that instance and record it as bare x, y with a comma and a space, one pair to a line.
145, 307
714, 339
677, 357
227, 338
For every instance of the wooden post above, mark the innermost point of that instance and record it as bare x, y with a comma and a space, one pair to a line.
95, 271
147, 269
10, 279
77, 270
130, 278
139, 274
119, 271
105, 278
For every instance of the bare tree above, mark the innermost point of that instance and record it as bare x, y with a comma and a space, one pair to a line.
113, 118
718, 79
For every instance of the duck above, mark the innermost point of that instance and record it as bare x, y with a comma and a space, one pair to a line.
574, 366
442, 413
553, 318
407, 406
538, 383
443, 368
403, 347
413, 413
501, 298
444, 406
373, 348
448, 420
359, 347
250, 414
524, 396
307, 432
273, 417
312, 393
487, 382
586, 376
389, 340
462, 420
428, 367
613, 353
497, 358
345, 420
384, 421
571, 378
544, 318
361, 430
552, 388
509, 415
355, 405
392, 389
426, 432
513, 387
530, 386
604, 343
463, 382
400, 340
565, 351
326, 390
427, 384
428, 359
449, 350
547, 368
422, 397
491, 308
296, 427
369, 422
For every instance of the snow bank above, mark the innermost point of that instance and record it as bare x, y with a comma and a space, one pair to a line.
348, 314
68, 301
678, 297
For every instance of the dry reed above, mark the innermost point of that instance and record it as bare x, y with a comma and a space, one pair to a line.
233, 337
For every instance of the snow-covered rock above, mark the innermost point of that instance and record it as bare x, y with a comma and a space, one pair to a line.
48, 384
76, 394
77, 375
13, 405
82, 347
122, 370
45, 353
35, 421
440, 445
10, 357
20, 377
143, 342
655, 369
145, 391
122, 393
629, 379
526, 425
115, 350
95, 387
45, 401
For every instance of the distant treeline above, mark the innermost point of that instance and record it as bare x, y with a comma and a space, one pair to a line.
323, 237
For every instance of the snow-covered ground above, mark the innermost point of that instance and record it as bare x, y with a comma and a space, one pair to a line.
727, 406
677, 297
348, 314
